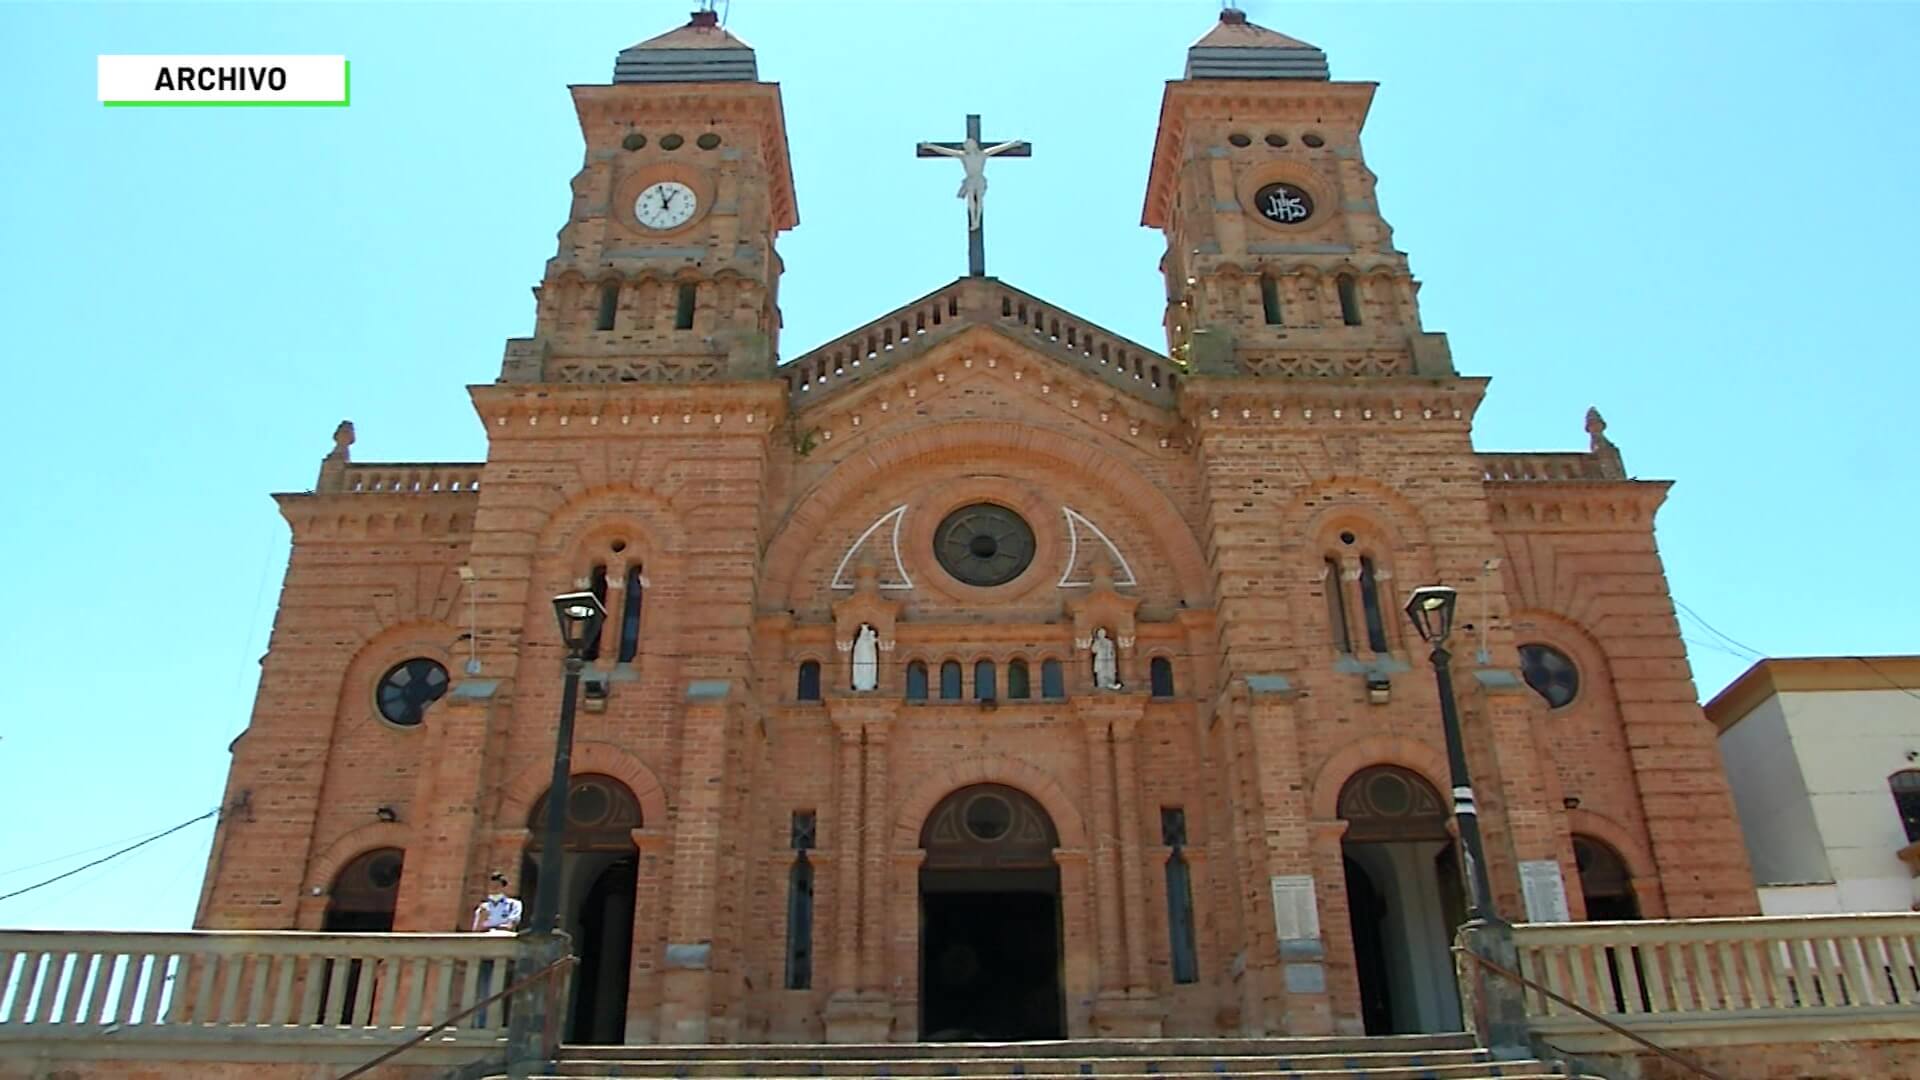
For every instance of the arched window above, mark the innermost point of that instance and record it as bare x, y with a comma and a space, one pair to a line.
630, 618
1270, 301
683, 303
800, 903
950, 681
1906, 799
1160, 676
809, 685
1018, 686
1604, 881
596, 584
1053, 681
1370, 606
609, 305
984, 682
1337, 608
1349, 299
917, 681
1185, 954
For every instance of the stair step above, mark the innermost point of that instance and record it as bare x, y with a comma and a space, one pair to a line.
1012, 1065
1162, 1049
1506, 1070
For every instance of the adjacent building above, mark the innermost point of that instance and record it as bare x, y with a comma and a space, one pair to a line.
1824, 757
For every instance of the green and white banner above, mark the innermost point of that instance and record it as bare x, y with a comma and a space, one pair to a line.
224, 80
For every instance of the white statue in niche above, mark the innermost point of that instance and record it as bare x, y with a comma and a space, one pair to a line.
866, 658
1106, 671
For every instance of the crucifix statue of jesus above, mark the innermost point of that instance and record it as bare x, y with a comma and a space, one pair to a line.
973, 156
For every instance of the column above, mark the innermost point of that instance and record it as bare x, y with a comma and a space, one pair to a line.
874, 907
687, 986
1293, 886
1102, 881
844, 849
1132, 892
434, 891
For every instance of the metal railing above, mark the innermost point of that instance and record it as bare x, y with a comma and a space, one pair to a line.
550, 1022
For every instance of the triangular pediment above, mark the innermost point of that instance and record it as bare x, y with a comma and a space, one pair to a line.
915, 329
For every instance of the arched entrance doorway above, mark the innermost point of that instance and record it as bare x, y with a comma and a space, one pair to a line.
360, 900
1404, 900
1604, 881
600, 868
990, 926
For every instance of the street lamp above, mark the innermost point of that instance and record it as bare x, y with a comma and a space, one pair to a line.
1431, 609
580, 615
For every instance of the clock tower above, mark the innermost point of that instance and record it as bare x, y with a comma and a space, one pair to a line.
666, 269
1278, 261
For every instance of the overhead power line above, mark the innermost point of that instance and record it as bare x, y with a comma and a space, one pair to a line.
109, 858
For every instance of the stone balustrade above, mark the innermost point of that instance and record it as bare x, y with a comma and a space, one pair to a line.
1706, 982
910, 330
423, 479
1574, 465
249, 996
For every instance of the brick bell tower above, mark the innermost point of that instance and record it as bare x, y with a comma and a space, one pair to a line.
1276, 250
666, 269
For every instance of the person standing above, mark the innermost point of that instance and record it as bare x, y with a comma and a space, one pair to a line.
499, 913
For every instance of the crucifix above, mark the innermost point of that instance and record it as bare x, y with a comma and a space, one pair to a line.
973, 158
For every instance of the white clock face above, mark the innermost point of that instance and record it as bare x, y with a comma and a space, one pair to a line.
665, 205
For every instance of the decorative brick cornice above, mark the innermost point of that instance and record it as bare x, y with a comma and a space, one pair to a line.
1213, 402
548, 410
383, 517
1575, 506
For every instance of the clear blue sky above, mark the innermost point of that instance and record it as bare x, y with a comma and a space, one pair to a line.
1699, 217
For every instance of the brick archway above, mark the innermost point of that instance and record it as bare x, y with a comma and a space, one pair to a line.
1429, 761
589, 756
1088, 463
926, 791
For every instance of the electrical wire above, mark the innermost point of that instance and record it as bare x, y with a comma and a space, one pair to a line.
1888, 679
109, 858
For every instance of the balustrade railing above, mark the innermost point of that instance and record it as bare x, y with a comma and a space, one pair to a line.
1704, 969
216, 985
411, 479
905, 332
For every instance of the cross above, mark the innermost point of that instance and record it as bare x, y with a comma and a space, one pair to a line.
973, 157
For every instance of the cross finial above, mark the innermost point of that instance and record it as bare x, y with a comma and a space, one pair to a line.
973, 153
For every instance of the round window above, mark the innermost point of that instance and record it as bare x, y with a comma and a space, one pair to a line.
988, 817
984, 544
408, 688
1551, 673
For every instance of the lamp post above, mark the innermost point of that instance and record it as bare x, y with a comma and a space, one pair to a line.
1431, 609
580, 615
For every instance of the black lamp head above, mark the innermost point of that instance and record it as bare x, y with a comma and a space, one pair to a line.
1431, 609
580, 615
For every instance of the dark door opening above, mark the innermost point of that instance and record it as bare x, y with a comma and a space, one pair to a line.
990, 958
1368, 909
606, 956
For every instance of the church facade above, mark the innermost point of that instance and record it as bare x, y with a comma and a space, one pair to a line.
981, 674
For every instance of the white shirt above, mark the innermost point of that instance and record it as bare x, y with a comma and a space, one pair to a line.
497, 913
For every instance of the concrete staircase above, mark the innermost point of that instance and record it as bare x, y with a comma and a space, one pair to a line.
1397, 1057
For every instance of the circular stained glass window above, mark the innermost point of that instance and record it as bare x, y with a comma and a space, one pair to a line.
1551, 673
988, 817
984, 544
408, 688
